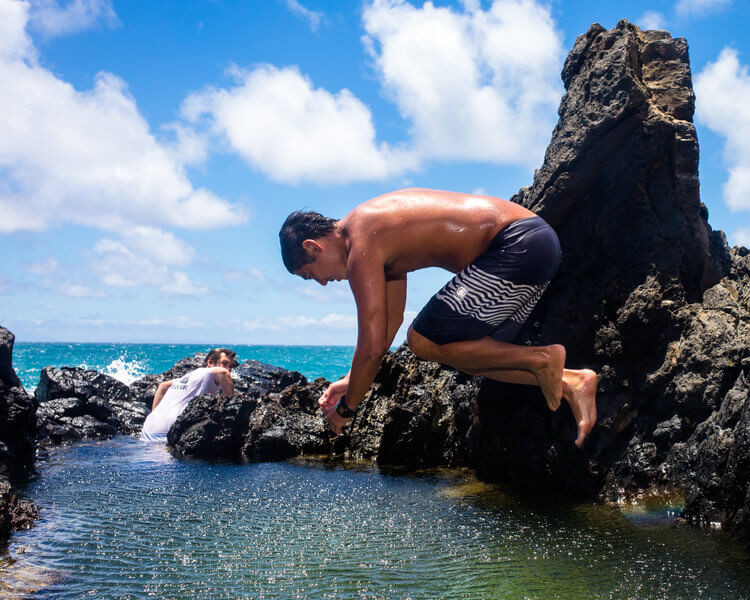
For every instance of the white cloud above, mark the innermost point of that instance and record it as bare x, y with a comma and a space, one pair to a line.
291, 131
251, 274
652, 19
77, 290
475, 84
87, 157
54, 278
179, 322
332, 321
329, 293
699, 8
53, 17
313, 18
181, 284
722, 103
144, 256
741, 237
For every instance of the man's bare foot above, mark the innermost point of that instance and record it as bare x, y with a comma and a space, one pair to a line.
550, 374
582, 400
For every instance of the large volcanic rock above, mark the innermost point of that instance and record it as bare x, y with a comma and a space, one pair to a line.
76, 403
17, 444
647, 295
273, 415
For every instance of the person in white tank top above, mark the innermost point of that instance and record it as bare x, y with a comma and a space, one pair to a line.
173, 396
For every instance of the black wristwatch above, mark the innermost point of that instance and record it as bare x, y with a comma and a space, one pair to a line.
343, 410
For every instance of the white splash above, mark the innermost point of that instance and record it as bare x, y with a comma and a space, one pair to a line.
126, 371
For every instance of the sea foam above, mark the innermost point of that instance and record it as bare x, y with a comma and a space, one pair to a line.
124, 370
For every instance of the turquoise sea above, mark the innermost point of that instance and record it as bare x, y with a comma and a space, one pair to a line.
128, 362
123, 519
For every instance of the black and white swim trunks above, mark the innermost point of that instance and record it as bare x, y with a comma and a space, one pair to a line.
496, 293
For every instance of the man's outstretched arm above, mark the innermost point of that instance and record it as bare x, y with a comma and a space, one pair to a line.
367, 280
223, 379
160, 391
395, 293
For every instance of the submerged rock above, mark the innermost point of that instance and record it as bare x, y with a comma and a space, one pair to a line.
17, 443
76, 404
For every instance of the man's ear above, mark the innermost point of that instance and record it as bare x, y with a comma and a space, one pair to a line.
312, 247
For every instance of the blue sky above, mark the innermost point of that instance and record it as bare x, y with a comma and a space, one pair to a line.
149, 151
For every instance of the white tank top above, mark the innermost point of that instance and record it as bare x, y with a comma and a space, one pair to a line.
182, 390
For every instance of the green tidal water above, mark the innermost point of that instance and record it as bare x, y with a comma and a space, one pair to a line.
123, 519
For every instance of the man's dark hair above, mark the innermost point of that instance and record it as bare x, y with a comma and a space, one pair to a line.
215, 355
298, 227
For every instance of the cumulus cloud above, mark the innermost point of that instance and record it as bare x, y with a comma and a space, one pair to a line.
313, 18
145, 256
722, 103
475, 84
652, 19
54, 278
87, 157
53, 17
281, 124
699, 8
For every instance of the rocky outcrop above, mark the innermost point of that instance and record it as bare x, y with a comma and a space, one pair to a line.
17, 445
416, 413
648, 295
273, 415
76, 404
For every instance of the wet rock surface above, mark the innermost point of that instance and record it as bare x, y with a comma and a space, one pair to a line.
17, 443
76, 404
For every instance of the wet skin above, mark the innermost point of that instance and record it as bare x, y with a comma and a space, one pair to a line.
379, 242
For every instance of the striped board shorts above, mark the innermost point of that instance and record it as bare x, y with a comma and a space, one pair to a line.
495, 294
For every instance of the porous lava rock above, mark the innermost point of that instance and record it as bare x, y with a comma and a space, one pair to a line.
271, 416
17, 441
76, 404
647, 295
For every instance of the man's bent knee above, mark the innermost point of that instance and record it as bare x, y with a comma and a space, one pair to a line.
422, 347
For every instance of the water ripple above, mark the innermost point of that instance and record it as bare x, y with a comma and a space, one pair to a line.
121, 519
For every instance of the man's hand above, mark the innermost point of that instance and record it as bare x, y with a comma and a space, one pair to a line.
330, 398
336, 421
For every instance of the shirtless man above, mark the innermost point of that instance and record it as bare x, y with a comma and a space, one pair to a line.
504, 257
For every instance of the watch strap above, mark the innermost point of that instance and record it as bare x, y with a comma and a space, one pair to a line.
343, 410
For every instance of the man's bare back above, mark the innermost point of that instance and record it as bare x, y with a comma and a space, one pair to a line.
504, 257
445, 229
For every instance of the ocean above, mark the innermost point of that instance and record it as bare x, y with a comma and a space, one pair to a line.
128, 362
123, 519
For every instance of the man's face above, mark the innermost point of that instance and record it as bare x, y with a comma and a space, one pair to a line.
223, 361
326, 266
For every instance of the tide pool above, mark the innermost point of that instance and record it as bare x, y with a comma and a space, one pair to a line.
123, 519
